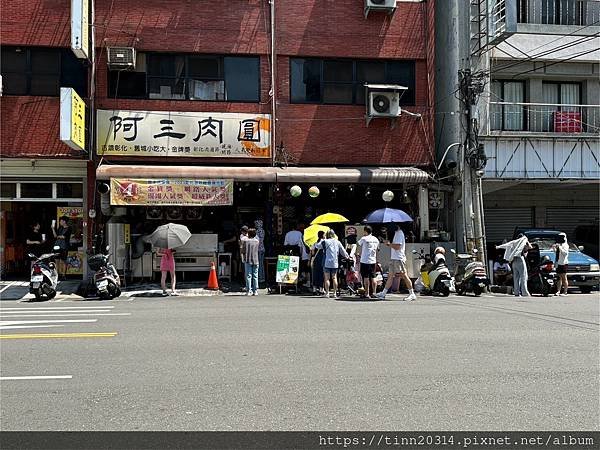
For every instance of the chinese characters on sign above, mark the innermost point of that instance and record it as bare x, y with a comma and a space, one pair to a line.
172, 191
157, 133
72, 119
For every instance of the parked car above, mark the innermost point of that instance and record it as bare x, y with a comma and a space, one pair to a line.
588, 237
583, 272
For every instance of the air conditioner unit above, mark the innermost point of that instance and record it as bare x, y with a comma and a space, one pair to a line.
384, 104
388, 6
121, 58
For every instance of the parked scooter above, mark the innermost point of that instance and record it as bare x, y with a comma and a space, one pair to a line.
434, 277
470, 274
542, 277
106, 279
44, 276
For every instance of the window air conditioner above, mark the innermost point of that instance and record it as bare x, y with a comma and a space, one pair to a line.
388, 6
121, 58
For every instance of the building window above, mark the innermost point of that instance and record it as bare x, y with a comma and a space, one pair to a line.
342, 81
559, 118
507, 117
559, 12
190, 77
41, 71
8, 190
36, 190
69, 190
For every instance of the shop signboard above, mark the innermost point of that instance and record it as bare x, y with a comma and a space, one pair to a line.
287, 269
171, 191
72, 119
74, 262
80, 29
183, 134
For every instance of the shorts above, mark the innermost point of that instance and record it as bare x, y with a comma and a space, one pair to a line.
562, 268
332, 271
367, 270
397, 266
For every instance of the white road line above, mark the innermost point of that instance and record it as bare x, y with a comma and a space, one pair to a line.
48, 308
14, 327
63, 315
27, 322
39, 311
39, 377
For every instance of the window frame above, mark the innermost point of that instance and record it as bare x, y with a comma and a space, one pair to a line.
560, 85
29, 74
355, 83
187, 78
525, 121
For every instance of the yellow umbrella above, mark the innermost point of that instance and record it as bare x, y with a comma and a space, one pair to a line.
329, 218
311, 233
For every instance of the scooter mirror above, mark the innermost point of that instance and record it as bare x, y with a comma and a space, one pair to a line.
414, 251
107, 247
453, 251
56, 248
580, 247
31, 256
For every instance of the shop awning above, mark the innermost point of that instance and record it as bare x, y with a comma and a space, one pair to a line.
370, 175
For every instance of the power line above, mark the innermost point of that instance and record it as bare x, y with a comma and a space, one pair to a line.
577, 55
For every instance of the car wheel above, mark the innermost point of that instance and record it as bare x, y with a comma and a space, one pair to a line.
585, 289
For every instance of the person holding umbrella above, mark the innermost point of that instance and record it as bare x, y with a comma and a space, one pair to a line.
166, 238
398, 265
167, 264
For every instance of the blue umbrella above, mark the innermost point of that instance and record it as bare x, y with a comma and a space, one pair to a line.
388, 215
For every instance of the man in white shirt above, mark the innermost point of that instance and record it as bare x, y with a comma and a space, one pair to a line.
296, 238
398, 265
368, 247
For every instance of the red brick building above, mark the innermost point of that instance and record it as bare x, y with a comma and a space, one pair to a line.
199, 58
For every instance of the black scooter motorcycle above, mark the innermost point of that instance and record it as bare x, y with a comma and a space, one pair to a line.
542, 277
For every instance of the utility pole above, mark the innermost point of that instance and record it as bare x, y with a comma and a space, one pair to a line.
473, 161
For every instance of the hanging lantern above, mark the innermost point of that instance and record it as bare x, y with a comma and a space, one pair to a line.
295, 191
387, 196
313, 191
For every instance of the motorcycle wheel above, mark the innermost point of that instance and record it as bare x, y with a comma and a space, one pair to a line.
38, 296
104, 296
477, 291
445, 291
51, 295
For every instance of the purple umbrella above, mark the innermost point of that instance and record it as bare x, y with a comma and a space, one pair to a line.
388, 215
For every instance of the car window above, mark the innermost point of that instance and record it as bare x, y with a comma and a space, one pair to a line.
546, 244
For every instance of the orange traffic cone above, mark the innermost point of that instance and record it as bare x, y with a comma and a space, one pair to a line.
213, 283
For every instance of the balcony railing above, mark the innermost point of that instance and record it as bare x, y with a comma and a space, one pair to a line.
544, 118
559, 12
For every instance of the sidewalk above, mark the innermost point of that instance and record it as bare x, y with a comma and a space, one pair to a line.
73, 290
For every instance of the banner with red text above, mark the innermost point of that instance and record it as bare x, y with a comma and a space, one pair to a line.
171, 191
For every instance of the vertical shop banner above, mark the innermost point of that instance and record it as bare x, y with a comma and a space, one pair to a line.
72, 119
80, 29
287, 269
187, 134
171, 191
75, 221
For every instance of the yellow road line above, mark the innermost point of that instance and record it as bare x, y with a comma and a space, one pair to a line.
55, 335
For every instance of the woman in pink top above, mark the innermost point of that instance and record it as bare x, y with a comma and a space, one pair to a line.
167, 264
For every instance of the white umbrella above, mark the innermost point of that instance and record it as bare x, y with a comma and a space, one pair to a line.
171, 235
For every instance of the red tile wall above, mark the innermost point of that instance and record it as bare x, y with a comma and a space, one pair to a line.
311, 134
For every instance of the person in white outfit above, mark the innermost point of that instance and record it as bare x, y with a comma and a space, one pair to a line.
369, 245
562, 264
398, 265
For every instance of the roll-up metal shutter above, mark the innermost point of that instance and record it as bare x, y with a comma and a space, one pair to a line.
500, 223
566, 219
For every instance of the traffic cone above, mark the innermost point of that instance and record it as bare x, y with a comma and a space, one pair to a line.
213, 283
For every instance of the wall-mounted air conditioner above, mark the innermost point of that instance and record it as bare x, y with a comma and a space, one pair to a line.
388, 6
383, 100
121, 58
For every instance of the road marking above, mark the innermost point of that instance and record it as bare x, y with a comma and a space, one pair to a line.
14, 327
63, 315
52, 308
39, 377
56, 335
22, 322
39, 311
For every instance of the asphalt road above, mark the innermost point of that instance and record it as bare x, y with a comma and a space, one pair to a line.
303, 363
